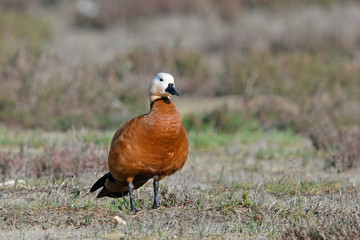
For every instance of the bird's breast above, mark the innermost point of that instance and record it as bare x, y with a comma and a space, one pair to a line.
154, 144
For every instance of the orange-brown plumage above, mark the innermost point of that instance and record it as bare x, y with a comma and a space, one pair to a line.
153, 145
149, 145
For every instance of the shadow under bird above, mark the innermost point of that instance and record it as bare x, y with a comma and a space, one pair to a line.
150, 146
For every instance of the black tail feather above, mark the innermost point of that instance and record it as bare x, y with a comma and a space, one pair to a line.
104, 192
100, 183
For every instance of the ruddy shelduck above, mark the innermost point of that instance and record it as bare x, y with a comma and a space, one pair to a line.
153, 145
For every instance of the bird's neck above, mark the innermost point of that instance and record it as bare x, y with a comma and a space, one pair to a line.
153, 98
164, 113
161, 104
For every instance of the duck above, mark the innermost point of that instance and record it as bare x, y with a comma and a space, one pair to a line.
151, 146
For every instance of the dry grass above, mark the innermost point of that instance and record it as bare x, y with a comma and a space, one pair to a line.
22, 31
53, 160
220, 192
302, 76
99, 96
230, 211
106, 12
341, 146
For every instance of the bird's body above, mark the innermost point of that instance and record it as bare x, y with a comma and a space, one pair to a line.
153, 145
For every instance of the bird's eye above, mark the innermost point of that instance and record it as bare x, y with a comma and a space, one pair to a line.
161, 79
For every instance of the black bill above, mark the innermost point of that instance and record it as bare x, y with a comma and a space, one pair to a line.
171, 89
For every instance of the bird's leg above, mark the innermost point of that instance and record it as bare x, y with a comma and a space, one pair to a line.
156, 194
131, 194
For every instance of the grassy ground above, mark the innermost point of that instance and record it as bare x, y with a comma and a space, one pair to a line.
258, 184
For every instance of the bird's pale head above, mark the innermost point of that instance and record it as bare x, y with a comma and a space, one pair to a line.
162, 86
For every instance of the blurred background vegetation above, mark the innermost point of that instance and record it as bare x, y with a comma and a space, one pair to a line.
258, 64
